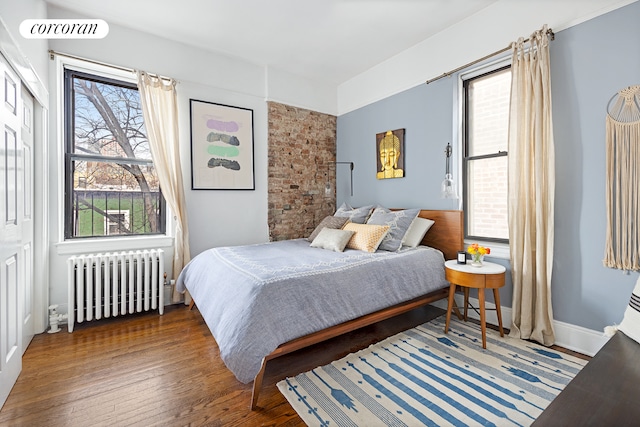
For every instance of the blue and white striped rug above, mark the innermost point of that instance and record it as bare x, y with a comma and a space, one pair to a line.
424, 377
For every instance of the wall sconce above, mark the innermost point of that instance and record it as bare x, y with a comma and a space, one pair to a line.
351, 173
448, 187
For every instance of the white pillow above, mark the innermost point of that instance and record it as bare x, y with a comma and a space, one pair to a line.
333, 239
417, 231
630, 324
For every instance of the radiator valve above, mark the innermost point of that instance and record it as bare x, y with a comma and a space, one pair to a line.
55, 318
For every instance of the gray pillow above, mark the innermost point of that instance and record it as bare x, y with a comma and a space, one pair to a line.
328, 222
398, 222
332, 239
357, 215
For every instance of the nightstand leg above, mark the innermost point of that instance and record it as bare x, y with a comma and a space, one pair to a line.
456, 310
452, 295
466, 301
496, 298
483, 320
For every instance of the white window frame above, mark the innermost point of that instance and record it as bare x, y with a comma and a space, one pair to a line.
72, 247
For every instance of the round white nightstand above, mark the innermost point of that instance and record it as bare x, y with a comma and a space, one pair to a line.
489, 276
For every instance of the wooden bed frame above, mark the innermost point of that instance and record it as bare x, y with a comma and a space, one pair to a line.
446, 234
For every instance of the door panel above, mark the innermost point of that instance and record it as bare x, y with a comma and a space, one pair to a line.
26, 241
11, 179
10, 296
12, 272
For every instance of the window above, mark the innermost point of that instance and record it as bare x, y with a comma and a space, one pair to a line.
116, 222
111, 187
486, 123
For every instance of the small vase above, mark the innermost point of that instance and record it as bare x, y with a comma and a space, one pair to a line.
477, 260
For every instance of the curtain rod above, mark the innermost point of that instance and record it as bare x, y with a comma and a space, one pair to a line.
52, 54
498, 52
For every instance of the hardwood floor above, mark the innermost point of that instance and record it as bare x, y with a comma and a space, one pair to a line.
162, 370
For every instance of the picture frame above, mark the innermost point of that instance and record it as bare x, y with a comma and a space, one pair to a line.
221, 146
390, 154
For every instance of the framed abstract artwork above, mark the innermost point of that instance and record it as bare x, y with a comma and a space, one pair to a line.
221, 147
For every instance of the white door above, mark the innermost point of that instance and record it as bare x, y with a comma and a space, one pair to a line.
15, 266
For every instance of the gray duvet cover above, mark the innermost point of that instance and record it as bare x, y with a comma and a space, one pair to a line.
256, 297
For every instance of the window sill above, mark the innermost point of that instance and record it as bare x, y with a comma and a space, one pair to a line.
83, 246
498, 250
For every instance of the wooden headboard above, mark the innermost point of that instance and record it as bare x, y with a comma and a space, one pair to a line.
447, 234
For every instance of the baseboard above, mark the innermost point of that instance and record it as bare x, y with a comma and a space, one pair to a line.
577, 338
571, 337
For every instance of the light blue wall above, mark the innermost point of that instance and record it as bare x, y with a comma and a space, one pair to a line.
425, 112
589, 62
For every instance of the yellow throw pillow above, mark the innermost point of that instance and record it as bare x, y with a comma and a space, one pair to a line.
367, 237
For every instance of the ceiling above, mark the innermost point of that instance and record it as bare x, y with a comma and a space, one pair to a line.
325, 40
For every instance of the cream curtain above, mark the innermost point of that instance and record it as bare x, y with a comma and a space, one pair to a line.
160, 110
531, 189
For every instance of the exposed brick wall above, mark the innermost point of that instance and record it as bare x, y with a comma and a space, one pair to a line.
302, 149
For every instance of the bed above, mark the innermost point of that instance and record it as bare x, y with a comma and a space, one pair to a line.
266, 300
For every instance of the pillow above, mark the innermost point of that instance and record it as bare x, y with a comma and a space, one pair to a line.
329, 222
332, 239
630, 324
398, 222
416, 231
367, 237
357, 215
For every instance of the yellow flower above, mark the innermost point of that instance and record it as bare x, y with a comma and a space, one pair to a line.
476, 249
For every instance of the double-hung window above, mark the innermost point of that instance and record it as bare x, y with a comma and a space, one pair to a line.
111, 186
485, 130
